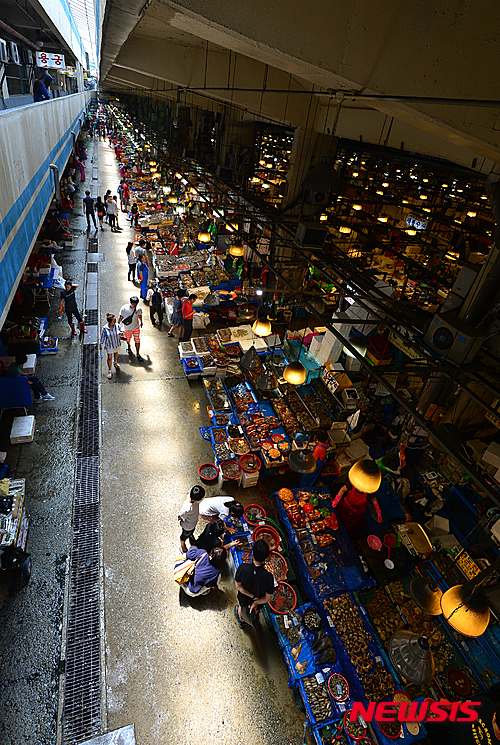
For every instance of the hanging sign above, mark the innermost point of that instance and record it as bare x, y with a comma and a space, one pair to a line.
51, 61
416, 222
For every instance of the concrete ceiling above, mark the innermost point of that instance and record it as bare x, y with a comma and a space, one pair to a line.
444, 49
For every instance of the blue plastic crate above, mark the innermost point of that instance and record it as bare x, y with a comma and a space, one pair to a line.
319, 729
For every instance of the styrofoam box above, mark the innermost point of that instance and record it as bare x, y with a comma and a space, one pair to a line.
438, 525
29, 366
22, 430
188, 353
249, 479
357, 449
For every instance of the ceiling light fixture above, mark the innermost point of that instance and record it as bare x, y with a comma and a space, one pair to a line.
357, 207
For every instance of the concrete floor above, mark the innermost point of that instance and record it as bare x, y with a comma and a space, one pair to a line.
178, 668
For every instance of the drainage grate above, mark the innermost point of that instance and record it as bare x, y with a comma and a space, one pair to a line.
92, 316
81, 719
91, 267
92, 245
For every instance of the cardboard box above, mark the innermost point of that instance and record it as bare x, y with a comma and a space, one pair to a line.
438, 525
477, 448
492, 455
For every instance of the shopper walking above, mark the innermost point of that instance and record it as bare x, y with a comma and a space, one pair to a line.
155, 299
131, 315
112, 212
142, 276
105, 200
101, 211
132, 261
111, 341
255, 586
189, 513
134, 211
125, 196
88, 209
68, 298
15, 370
187, 317
176, 319
115, 199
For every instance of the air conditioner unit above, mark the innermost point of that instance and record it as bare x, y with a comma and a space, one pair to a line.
14, 53
226, 174
453, 339
4, 55
321, 198
311, 235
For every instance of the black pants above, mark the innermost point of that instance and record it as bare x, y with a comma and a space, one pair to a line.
188, 329
156, 309
70, 312
111, 220
131, 272
89, 215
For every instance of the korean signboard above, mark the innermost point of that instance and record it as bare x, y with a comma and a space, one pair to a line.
50, 60
415, 222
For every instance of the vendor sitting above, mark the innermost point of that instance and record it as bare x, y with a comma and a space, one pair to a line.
351, 507
320, 452
15, 370
206, 571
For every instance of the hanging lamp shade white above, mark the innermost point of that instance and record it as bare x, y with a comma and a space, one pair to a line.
295, 373
172, 199
262, 327
301, 461
365, 476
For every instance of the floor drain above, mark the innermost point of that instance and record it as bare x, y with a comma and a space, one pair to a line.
81, 706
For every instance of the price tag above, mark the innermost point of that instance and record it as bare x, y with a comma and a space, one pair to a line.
342, 707
378, 659
261, 522
362, 721
320, 678
339, 689
286, 621
330, 622
314, 539
362, 610
295, 621
465, 646
247, 528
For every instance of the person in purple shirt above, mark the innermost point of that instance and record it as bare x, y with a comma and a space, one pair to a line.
206, 572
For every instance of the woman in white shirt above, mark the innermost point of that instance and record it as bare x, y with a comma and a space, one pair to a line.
111, 341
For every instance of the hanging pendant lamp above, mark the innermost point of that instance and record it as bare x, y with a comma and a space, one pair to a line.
295, 373
426, 595
365, 476
411, 656
250, 360
301, 461
236, 249
204, 236
468, 616
266, 381
262, 326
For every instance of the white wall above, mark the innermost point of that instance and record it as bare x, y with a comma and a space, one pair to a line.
60, 14
31, 138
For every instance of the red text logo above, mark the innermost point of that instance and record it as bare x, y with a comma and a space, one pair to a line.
416, 711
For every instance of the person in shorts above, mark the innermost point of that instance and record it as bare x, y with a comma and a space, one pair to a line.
132, 327
189, 513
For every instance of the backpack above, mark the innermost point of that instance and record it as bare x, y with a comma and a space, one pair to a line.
156, 298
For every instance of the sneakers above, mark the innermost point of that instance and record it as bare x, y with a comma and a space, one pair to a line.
129, 350
237, 616
141, 359
109, 375
48, 397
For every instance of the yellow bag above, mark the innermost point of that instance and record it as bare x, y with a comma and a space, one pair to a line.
184, 568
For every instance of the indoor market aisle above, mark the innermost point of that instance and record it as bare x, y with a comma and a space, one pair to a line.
178, 668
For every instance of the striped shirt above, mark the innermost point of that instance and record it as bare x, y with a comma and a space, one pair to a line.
110, 338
